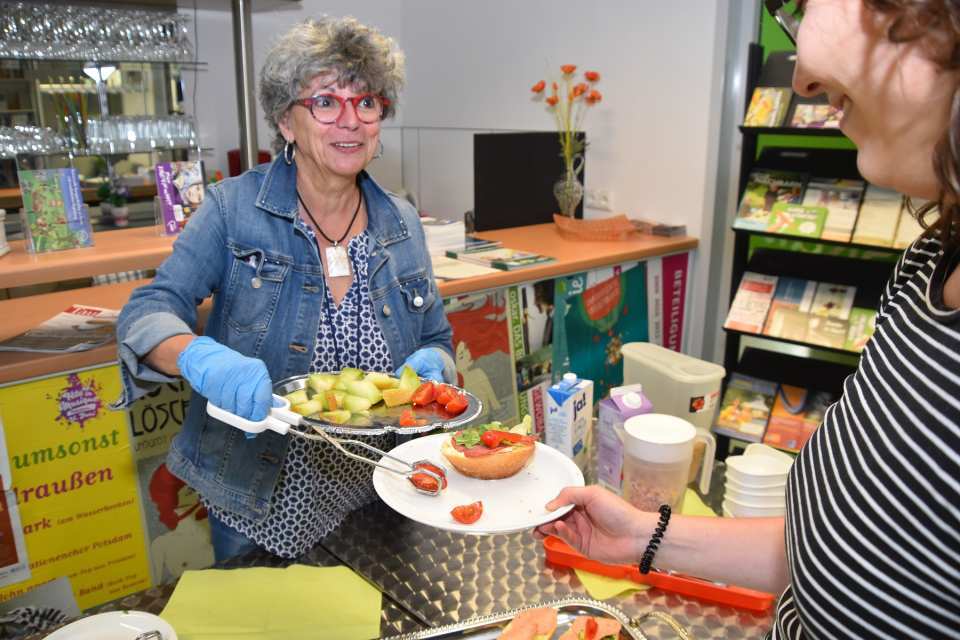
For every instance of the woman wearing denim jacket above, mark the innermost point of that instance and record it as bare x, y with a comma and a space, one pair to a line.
312, 267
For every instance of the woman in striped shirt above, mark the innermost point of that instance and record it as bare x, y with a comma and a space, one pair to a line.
870, 546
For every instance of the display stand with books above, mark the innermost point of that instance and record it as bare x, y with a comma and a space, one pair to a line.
814, 246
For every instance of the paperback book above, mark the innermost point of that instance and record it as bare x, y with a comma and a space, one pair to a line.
745, 408
180, 193
795, 416
789, 312
841, 198
878, 218
54, 216
768, 107
833, 300
506, 259
816, 116
764, 190
797, 220
748, 311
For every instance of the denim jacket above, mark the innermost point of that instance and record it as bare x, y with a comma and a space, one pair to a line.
249, 248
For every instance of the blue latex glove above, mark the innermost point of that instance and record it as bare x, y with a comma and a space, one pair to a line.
426, 362
228, 379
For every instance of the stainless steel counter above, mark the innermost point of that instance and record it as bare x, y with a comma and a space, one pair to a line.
431, 578
441, 578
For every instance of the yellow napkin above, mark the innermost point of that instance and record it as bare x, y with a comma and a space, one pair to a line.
602, 588
295, 603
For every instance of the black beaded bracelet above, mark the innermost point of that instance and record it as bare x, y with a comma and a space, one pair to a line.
655, 539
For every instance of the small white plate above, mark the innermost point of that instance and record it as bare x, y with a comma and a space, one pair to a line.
114, 625
509, 505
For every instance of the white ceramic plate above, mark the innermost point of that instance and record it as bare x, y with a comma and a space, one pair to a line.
509, 505
114, 625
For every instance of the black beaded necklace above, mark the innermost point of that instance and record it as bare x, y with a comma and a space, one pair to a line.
338, 263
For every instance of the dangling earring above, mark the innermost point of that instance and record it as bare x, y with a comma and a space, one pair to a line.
379, 153
289, 151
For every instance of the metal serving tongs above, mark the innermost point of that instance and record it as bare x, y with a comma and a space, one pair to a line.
281, 418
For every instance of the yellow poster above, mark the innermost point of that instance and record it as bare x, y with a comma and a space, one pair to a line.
74, 481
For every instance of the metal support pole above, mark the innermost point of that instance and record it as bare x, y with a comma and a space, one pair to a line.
246, 108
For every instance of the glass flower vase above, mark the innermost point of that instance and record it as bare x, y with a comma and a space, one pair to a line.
568, 190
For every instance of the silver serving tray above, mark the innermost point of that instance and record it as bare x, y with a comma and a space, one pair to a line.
491, 626
383, 419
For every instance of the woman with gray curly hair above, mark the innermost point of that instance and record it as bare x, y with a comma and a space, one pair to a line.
312, 267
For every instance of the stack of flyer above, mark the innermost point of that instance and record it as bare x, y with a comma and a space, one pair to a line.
442, 234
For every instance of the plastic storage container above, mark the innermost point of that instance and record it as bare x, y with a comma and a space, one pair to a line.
676, 384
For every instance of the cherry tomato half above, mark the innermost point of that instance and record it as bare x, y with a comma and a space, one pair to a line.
426, 482
424, 394
468, 513
457, 404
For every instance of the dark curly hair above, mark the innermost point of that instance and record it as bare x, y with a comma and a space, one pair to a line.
936, 23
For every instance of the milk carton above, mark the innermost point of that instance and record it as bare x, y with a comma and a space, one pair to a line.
569, 414
623, 402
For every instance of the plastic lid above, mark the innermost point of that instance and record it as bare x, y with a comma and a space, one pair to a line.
657, 437
570, 377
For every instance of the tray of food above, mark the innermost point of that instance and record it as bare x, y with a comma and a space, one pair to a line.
568, 619
355, 402
496, 479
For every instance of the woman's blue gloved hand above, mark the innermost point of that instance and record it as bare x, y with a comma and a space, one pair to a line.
426, 362
228, 379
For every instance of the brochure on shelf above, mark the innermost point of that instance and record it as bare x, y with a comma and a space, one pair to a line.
764, 190
768, 107
863, 322
796, 414
833, 300
841, 198
180, 193
878, 218
745, 407
53, 214
78, 328
816, 116
797, 220
789, 311
910, 228
751, 303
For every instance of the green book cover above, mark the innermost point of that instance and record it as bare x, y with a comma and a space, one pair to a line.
863, 322
797, 220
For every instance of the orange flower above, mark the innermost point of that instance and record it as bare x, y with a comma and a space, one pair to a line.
579, 90
538, 88
552, 101
553, 85
568, 68
593, 97
591, 76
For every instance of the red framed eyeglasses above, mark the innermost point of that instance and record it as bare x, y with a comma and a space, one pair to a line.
327, 108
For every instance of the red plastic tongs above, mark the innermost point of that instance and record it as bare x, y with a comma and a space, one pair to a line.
560, 553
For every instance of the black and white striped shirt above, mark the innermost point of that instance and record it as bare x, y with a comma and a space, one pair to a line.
873, 501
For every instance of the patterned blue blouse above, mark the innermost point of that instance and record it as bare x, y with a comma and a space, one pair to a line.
318, 486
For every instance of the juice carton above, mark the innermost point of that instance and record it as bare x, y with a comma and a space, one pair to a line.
569, 414
624, 402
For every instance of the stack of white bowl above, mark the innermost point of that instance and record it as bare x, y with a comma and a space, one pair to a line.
756, 483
